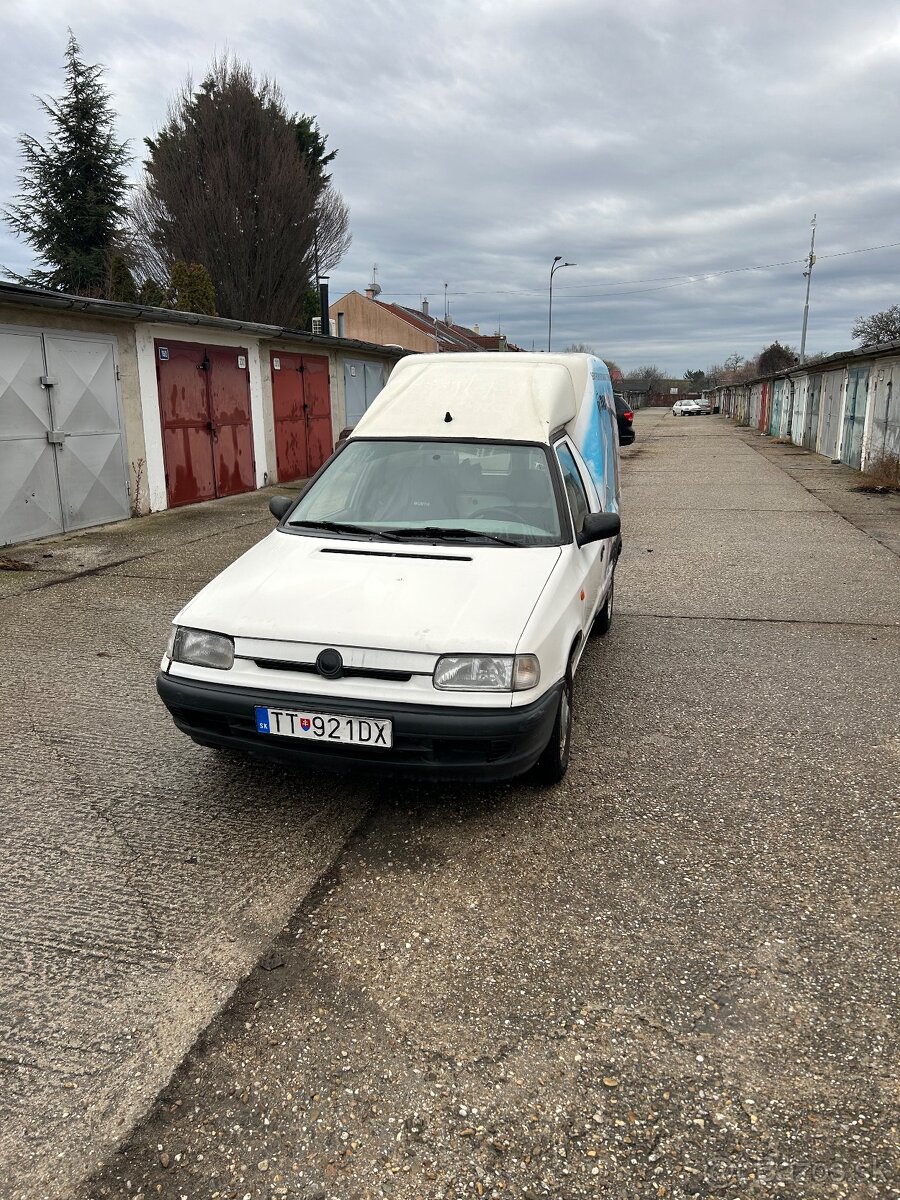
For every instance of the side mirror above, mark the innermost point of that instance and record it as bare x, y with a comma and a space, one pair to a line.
279, 505
599, 526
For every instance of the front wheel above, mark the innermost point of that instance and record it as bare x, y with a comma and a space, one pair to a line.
554, 762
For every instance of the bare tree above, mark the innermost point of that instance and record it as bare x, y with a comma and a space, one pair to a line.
733, 363
615, 371
737, 369
882, 326
332, 238
650, 374
226, 187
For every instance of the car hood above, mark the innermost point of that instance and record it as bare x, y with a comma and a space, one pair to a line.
422, 597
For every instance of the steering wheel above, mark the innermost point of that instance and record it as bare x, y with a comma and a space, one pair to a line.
499, 514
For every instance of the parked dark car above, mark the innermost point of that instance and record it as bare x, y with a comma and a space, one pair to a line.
625, 418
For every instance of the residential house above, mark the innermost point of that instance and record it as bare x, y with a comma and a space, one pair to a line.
369, 319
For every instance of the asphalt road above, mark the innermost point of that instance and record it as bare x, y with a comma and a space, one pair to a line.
674, 974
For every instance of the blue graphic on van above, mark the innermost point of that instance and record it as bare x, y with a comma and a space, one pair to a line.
595, 436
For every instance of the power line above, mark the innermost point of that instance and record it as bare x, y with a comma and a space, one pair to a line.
676, 280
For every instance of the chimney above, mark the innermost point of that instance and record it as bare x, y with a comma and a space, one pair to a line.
425, 307
476, 330
370, 293
323, 304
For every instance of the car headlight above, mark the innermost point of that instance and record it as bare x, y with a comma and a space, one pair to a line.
487, 672
199, 648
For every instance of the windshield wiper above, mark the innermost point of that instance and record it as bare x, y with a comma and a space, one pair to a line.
444, 531
342, 527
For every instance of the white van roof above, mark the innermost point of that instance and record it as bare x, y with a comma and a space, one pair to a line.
498, 396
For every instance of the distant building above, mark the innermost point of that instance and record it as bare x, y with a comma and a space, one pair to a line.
367, 318
635, 391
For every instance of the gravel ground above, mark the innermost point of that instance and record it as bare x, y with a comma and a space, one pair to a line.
672, 975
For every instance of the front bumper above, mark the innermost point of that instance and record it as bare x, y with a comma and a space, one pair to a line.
453, 743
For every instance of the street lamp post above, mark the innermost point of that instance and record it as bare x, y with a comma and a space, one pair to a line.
556, 265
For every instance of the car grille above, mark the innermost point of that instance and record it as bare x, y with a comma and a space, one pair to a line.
276, 664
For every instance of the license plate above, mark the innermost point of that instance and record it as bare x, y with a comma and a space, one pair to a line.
326, 727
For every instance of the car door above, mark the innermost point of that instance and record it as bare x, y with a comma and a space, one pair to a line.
592, 561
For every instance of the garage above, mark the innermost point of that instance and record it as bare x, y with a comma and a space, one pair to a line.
62, 459
301, 404
363, 380
109, 409
855, 416
204, 404
810, 430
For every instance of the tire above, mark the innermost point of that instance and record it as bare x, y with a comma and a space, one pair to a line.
554, 762
603, 619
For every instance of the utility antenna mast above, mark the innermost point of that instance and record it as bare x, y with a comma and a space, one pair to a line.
807, 275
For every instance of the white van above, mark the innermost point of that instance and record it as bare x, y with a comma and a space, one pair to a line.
423, 606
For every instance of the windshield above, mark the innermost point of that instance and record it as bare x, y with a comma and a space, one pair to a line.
460, 490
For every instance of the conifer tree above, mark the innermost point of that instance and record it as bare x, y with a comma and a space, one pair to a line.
121, 285
73, 186
192, 289
152, 294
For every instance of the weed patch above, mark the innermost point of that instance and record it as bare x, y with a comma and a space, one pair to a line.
13, 564
883, 475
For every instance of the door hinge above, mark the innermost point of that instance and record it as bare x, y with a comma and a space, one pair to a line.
118, 376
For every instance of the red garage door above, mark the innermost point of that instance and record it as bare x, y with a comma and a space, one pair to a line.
204, 404
765, 406
301, 399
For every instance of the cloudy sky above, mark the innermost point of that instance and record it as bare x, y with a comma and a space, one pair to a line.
669, 148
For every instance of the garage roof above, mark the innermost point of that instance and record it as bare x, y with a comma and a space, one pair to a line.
30, 297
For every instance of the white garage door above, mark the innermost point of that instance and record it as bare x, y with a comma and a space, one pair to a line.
62, 464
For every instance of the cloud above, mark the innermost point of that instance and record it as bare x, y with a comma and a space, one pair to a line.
477, 140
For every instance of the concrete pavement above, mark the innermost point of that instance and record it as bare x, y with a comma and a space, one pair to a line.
140, 877
673, 974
